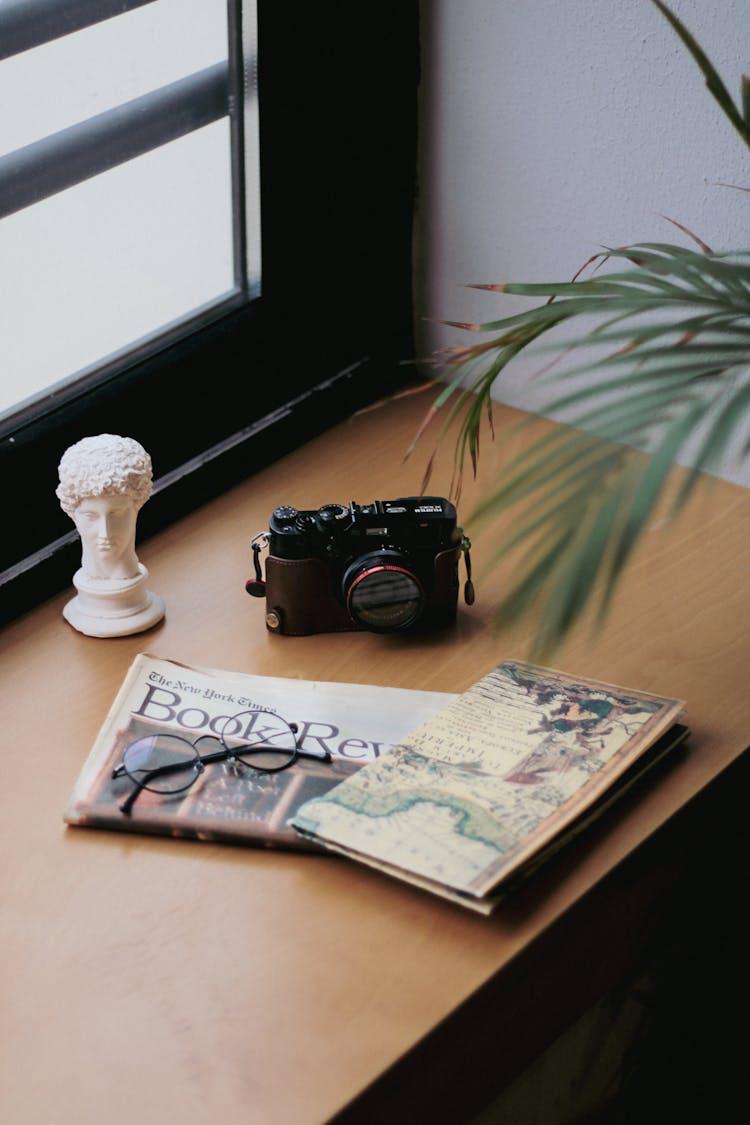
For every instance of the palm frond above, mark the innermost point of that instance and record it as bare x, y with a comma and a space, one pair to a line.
650, 347
671, 368
713, 81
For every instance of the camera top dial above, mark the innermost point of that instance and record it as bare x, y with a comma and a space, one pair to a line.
336, 515
285, 514
289, 526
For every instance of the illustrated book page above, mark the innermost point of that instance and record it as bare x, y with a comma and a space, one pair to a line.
482, 790
230, 802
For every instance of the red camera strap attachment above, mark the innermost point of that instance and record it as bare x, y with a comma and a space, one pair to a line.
256, 587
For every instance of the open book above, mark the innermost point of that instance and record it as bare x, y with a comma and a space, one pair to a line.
339, 727
479, 794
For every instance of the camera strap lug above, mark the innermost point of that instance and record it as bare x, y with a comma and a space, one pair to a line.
465, 546
256, 587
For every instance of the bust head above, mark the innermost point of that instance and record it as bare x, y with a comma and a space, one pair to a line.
104, 482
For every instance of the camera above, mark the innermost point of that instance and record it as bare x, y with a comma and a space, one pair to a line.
388, 566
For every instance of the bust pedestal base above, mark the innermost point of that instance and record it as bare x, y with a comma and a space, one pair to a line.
108, 607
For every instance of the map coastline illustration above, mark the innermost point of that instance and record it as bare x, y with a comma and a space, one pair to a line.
490, 778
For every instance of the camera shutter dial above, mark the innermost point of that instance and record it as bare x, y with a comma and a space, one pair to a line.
286, 514
333, 514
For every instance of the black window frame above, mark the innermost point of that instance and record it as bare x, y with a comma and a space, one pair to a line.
331, 331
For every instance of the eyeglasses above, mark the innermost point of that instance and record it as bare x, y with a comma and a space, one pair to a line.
169, 763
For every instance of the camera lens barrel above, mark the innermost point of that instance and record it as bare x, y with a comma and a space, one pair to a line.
382, 593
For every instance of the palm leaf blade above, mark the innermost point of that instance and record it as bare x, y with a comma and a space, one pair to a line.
660, 340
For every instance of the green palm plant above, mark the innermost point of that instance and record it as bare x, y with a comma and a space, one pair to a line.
660, 336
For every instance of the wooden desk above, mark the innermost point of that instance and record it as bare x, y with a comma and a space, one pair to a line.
155, 981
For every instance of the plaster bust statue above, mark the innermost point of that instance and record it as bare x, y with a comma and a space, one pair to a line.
104, 482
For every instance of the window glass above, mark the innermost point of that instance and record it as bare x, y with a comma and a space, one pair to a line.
76, 76
122, 256
113, 260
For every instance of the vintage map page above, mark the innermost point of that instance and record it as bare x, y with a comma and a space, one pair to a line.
482, 787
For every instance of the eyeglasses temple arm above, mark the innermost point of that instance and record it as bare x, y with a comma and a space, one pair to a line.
317, 755
129, 801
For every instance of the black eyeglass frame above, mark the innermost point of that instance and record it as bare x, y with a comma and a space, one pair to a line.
238, 753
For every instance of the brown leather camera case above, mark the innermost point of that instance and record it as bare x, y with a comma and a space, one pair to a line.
300, 598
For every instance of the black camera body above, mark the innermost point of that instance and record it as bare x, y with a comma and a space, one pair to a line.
388, 566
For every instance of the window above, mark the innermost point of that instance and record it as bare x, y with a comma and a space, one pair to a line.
286, 129
121, 185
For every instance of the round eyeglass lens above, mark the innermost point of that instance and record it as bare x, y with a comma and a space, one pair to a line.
163, 763
261, 739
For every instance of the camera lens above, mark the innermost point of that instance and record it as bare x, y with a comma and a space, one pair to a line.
382, 594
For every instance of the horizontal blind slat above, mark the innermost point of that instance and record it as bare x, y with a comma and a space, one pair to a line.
50, 165
30, 23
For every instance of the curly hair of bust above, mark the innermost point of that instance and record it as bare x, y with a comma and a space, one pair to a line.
105, 465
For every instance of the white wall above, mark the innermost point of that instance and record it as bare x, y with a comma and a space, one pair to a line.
550, 128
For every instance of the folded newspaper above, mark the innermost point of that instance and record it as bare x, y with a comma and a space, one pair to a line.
481, 793
339, 727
